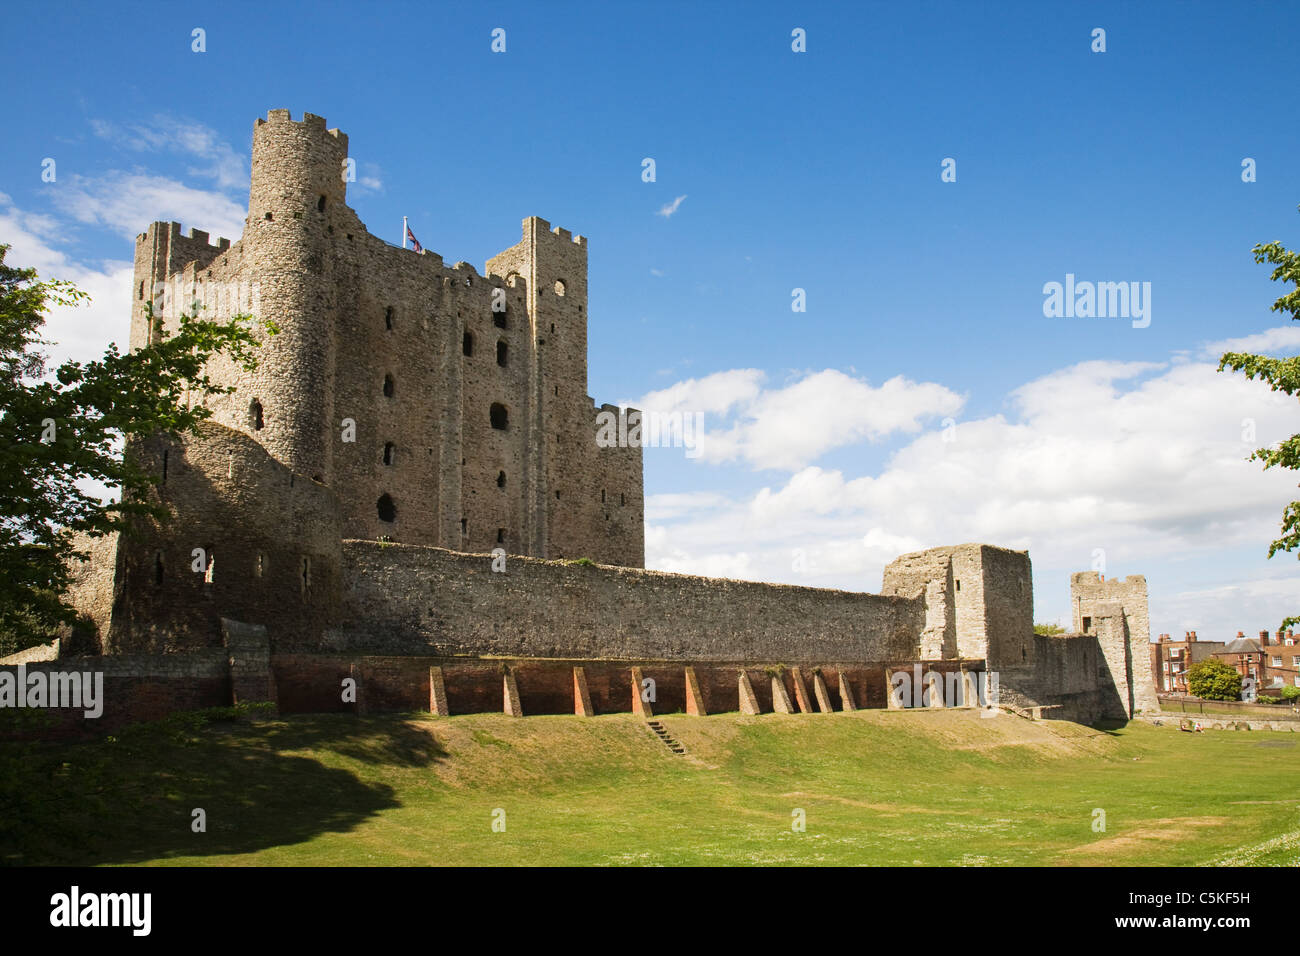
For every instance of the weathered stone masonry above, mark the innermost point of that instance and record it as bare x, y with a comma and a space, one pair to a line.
332, 559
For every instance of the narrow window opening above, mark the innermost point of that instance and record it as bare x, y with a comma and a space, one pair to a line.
141, 290
255, 415
552, 328
501, 479
210, 569
557, 391
501, 535
958, 585
388, 453
267, 217
467, 344
622, 499
388, 318
499, 319
559, 287
259, 565
158, 569
386, 509
306, 575
502, 352
499, 416
164, 474
389, 386
602, 496
320, 204
464, 527
557, 496
1087, 624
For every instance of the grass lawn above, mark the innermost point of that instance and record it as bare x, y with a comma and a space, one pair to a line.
876, 787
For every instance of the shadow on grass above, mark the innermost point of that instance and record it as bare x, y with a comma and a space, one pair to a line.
131, 797
1110, 726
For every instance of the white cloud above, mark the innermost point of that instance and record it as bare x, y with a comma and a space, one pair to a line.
166, 133
1145, 461
128, 202
1277, 339
83, 332
670, 208
788, 428
371, 179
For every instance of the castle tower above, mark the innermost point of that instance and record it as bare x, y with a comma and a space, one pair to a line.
1115, 612
979, 602
294, 200
554, 264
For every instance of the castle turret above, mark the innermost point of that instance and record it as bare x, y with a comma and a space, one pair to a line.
1116, 613
295, 201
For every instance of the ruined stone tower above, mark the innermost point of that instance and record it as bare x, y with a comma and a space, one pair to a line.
441, 407
1116, 613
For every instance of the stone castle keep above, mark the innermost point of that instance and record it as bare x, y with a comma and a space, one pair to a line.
335, 517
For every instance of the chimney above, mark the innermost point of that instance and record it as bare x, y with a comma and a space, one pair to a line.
1289, 634
1191, 635
1240, 635
1280, 635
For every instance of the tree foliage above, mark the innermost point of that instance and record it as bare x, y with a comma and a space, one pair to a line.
1211, 679
1282, 375
63, 433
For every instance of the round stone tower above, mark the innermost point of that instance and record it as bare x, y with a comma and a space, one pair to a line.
297, 193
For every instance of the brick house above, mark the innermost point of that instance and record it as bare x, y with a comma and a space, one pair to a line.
1170, 660
1273, 663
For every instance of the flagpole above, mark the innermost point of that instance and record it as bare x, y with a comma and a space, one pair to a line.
403, 232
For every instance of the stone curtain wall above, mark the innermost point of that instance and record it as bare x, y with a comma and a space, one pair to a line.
447, 603
1068, 671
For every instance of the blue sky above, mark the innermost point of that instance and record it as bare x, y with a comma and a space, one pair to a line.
1082, 439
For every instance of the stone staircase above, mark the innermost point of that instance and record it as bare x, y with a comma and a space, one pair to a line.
669, 741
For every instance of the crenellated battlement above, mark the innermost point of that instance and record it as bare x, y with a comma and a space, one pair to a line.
309, 121
565, 236
1095, 579
197, 236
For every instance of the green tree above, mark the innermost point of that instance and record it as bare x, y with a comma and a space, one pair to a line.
1282, 375
64, 433
1048, 630
1211, 679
